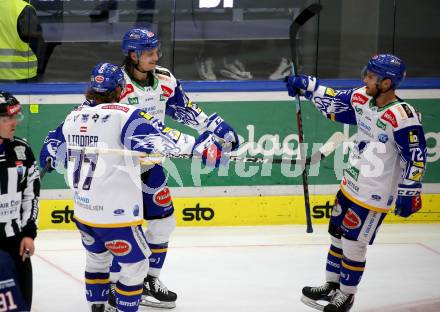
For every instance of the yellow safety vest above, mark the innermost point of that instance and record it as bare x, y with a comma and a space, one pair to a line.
17, 61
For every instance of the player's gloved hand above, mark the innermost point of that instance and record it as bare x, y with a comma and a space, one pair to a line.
46, 159
208, 149
297, 83
408, 199
220, 128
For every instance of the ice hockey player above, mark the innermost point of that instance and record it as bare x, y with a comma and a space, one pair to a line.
156, 91
386, 166
11, 298
107, 185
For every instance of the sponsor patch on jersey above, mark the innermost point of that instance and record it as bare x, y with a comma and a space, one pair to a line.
105, 118
133, 100
118, 212
20, 168
95, 117
359, 110
389, 117
353, 172
330, 92
402, 113
383, 137
145, 115
415, 174
86, 238
166, 91
116, 107
381, 124
173, 134
83, 129
351, 220
20, 151
84, 117
194, 107
376, 197
128, 89
118, 247
162, 197
136, 210
359, 98
413, 138
407, 110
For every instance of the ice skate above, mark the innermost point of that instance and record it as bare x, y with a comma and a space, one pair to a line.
111, 303
340, 302
156, 295
98, 307
312, 295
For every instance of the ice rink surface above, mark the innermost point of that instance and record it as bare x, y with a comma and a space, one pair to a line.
262, 268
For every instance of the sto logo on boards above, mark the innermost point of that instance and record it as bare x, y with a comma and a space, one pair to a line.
198, 213
322, 211
62, 216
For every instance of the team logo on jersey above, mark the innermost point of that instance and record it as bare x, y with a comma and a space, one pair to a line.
20, 152
166, 91
118, 247
95, 117
133, 101
390, 117
351, 220
118, 212
359, 98
20, 169
116, 107
162, 197
383, 137
84, 117
381, 124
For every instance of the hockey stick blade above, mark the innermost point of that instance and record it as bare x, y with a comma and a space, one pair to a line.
299, 21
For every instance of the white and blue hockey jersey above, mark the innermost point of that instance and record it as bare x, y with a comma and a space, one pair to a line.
106, 183
389, 147
165, 97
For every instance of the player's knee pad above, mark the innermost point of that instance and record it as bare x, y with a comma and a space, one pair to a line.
354, 250
98, 262
159, 230
133, 273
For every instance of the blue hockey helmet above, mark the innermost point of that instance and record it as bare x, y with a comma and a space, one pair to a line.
138, 40
387, 66
106, 77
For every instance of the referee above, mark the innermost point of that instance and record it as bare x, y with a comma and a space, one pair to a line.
19, 192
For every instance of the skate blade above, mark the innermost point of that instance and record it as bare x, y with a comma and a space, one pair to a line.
153, 303
312, 303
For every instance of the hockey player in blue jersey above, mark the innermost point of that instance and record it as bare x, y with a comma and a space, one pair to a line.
107, 185
155, 90
386, 165
11, 298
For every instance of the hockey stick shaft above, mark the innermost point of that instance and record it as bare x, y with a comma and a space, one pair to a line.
299, 21
332, 143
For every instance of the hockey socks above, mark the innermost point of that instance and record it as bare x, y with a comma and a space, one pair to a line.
128, 297
333, 266
351, 274
97, 285
157, 257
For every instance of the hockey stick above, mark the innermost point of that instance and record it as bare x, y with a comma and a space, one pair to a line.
299, 21
332, 143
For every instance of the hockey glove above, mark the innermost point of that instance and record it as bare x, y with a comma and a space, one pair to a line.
221, 129
46, 159
296, 84
209, 150
408, 199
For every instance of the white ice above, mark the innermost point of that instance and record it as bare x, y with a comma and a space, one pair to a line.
256, 269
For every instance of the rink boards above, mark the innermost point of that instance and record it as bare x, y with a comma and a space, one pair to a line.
242, 210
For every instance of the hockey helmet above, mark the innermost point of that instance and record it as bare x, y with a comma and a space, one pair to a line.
106, 77
138, 40
9, 105
387, 66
